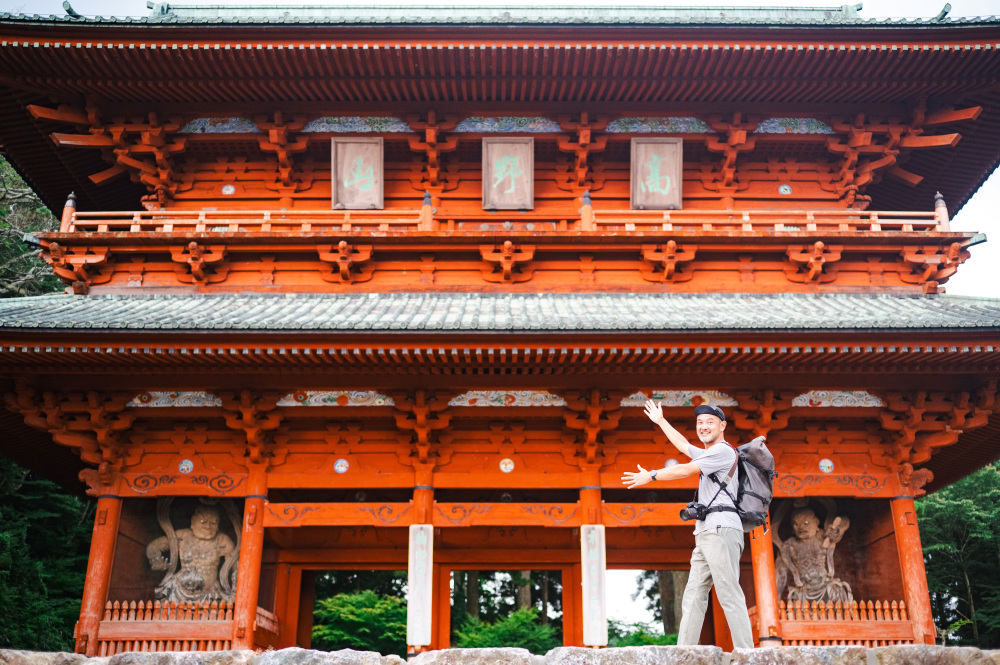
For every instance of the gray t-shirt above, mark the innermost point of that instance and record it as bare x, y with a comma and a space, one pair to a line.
717, 459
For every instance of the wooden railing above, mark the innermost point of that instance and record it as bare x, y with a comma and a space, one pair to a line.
766, 220
868, 624
422, 220
155, 626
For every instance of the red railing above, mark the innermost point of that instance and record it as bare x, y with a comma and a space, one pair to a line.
421, 220
154, 626
868, 624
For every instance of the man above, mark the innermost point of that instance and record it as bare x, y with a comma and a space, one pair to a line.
719, 537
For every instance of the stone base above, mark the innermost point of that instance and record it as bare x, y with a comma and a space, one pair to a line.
650, 655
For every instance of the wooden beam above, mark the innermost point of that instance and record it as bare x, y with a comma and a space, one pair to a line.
62, 114
952, 115
939, 141
166, 630
82, 140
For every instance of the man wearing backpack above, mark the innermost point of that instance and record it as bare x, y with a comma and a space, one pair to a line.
718, 535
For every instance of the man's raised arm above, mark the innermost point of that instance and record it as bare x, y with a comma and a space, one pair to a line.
655, 413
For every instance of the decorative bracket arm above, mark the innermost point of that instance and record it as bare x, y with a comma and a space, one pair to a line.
812, 265
200, 264
346, 263
931, 264
667, 262
507, 263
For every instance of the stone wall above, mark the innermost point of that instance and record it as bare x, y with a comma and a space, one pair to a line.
701, 655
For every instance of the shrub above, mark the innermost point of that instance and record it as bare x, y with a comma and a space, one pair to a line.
362, 621
521, 629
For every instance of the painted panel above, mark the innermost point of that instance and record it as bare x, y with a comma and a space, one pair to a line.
507, 398
508, 173
336, 398
357, 125
656, 178
793, 126
666, 125
674, 398
594, 560
506, 124
837, 398
357, 178
175, 398
220, 126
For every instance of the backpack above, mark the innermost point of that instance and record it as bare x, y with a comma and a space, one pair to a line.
756, 484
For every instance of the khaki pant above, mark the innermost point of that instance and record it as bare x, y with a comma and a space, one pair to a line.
715, 560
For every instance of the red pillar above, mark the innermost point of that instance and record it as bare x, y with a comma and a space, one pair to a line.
251, 551
95, 588
765, 586
307, 601
911, 563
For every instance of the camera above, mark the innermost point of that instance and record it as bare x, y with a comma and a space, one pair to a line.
694, 511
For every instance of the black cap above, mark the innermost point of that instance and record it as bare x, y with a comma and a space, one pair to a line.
710, 410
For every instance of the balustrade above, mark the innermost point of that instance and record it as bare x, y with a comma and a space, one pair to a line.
864, 623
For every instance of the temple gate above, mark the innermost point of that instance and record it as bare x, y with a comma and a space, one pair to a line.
382, 292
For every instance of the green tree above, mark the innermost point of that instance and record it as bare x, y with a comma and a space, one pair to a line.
44, 544
22, 273
621, 634
363, 621
521, 629
960, 533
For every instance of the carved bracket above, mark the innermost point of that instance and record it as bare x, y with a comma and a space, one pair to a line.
507, 264
345, 264
762, 413
581, 178
666, 262
735, 140
813, 265
931, 265
256, 415
423, 413
81, 267
591, 413
200, 264
280, 141
433, 147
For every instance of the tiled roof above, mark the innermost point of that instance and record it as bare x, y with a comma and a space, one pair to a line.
505, 312
168, 13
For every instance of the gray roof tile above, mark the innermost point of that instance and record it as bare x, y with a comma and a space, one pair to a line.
506, 312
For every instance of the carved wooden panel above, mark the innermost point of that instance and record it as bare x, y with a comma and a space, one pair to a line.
656, 174
508, 173
357, 181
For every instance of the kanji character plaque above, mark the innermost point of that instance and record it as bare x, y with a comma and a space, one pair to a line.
656, 173
508, 173
357, 182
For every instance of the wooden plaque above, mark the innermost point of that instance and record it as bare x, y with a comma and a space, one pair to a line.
508, 173
356, 169
657, 175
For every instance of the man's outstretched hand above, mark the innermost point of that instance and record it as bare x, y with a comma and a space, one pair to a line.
633, 479
654, 412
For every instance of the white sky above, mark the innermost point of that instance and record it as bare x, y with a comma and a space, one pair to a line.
978, 277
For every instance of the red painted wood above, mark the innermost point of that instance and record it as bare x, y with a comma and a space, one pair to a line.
95, 589
911, 561
764, 584
166, 630
248, 575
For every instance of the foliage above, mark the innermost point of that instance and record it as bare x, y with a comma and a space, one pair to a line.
22, 273
621, 634
44, 544
363, 621
521, 629
382, 582
960, 533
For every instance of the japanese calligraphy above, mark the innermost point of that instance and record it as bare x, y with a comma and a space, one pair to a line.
506, 166
360, 177
655, 182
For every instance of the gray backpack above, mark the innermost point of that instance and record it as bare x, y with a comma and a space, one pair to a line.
756, 488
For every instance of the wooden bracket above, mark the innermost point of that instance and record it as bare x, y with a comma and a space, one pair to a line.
581, 178
279, 140
666, 262
931, 265
423, 413
200, 264
507, 264
81, 267
591, 413
256, 415
345, 263
764, 412
433, 147
812, 265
